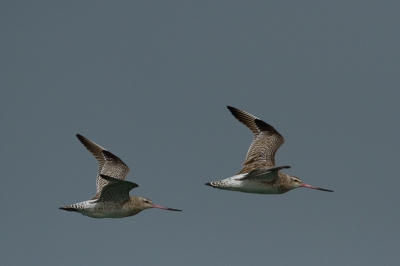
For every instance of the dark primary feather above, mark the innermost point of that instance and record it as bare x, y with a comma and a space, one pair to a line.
246, 119
94, 149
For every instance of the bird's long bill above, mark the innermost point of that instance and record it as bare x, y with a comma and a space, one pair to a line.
165, 208
318, 188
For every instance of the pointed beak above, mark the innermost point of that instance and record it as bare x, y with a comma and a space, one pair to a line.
165, 208
317, 188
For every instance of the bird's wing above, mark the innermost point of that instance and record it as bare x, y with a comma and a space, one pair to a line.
109, 164
114, 166
246, 119
265, 174
94, 149
266, 141
116, 190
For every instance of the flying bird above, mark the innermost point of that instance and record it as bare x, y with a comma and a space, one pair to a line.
259, 173
112, 199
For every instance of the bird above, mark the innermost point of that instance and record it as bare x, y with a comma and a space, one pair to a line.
112, 199
259, 174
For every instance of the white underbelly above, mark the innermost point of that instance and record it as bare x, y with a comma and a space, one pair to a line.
253, 189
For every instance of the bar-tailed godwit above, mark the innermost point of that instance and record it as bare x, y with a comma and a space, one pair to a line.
259, 173
112, 199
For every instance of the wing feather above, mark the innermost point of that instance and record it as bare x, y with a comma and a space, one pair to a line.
266, 141
116, 190
269, 174
109, 164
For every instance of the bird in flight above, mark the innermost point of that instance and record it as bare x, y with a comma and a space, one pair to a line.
112, 199
259, 173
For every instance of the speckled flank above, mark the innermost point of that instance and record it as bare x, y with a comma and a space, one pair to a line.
259, 173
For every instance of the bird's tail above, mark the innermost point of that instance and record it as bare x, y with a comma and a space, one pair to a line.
69, 208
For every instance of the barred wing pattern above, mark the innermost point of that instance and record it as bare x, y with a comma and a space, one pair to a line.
109, 164
266, 141
114, 166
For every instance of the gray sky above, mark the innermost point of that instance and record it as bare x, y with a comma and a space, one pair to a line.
150, 81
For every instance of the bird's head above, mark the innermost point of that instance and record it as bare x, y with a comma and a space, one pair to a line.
146, 204
295, 182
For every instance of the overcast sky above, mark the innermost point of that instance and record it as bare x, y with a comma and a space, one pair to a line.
150, 82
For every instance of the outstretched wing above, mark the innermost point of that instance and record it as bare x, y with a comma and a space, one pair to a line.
109, 164
266, 141
116, 190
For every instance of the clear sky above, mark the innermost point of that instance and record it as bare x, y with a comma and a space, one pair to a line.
150, 82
